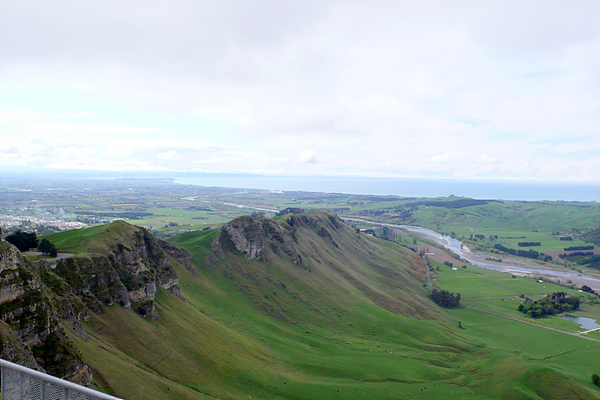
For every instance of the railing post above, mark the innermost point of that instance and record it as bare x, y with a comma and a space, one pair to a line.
65, 393
20, 386
2, 383
43, 392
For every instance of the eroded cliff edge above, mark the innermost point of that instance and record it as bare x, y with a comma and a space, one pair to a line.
120, 264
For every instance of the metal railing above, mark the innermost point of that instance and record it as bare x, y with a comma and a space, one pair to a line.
21, 383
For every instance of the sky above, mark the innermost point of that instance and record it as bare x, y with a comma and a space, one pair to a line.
421, 89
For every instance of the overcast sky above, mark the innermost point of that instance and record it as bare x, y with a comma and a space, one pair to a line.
456, 89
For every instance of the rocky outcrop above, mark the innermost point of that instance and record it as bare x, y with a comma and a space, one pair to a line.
31, 333
10, 256
243, 234
12, 347
125, 266
129, 268
180, 254
95, 280
249, 236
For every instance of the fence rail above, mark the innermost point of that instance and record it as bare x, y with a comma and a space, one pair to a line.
21, 383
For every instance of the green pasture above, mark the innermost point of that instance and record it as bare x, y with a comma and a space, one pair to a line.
573, 356
516, 216
499, 292
475, 282
185, 219
511, 238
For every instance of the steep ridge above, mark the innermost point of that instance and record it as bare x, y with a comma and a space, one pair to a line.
39, 300
271, 304
31, 332
122, 264
298, 307
321, 251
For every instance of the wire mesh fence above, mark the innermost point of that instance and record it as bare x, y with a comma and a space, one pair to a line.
21, 383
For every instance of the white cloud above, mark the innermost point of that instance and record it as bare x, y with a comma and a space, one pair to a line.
457, 89
308, 156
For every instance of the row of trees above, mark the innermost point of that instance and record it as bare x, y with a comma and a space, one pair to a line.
576, 254
573, 248
520, 253
529, 244
28, 240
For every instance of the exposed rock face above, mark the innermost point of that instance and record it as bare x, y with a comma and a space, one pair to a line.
10, 259
31, 333
12, 347
319, 248
130, 269
180, 254
248, 236
10, 256
94, 280
126, 267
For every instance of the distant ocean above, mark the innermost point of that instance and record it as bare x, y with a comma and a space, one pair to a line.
499, 190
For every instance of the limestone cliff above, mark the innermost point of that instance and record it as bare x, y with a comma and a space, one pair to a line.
123, 265
243, 234
126, 265
251, 237
31, 333
314, 244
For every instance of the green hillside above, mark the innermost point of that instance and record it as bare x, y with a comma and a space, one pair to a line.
301, 307
95, 240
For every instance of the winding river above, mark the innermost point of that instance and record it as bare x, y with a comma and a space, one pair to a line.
508, 265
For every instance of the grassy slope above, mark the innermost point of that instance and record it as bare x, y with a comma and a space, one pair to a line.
95, 240
319, 329
509, 219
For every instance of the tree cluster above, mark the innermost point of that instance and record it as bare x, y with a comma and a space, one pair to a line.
23, 240
586, 259
47, 248
554, 303
372, 213
443, 298
291, 210
588, 289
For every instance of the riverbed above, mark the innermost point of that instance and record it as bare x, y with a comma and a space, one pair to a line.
512, 266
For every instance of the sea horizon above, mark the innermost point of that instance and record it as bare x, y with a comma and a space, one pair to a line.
485, 189
410, 187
